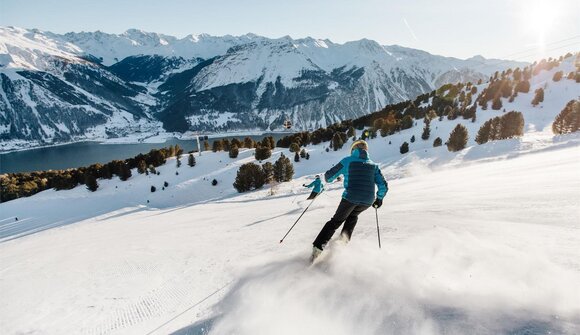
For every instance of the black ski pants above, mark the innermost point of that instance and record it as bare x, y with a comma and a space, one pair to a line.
312, 195
346, 212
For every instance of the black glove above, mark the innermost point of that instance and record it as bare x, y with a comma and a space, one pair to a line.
304, 185
378, 203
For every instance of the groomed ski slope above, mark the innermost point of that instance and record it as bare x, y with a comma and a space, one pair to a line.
487, 248
482, 241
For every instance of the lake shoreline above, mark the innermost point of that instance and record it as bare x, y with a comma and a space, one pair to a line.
153, 139
64, 156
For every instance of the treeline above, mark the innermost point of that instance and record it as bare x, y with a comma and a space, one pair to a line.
450, 101
502, 127
568, 120
509, 83
263, 147
17, 185
252, 176
507, 126
387, 121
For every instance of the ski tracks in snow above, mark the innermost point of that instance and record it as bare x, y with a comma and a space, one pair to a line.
151, 308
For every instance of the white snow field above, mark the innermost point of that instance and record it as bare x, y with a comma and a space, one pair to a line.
481, 241
483, 249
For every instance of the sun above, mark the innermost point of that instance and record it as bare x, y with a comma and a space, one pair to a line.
539, 18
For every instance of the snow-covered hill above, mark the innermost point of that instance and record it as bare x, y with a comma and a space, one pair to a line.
59, 88
480, 241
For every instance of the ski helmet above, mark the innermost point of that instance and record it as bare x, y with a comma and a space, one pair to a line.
360, 144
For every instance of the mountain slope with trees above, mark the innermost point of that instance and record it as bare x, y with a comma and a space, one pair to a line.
63, 88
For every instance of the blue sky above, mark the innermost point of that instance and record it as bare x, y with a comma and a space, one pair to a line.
515, 29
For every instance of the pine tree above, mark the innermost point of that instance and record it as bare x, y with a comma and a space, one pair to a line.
266, 143
303, 153
249, 143
262, 153
495, 128
307, 156
236, 142
294, 147
407, 122
438, 142
337, 141
432, 115
469, 112
558, 76
250, 176
496, 104
272, 142
458, 138
296, 157
378, 123
384, 132
91, 182
218, 145
106, 172
268, 169
124, 171
234, 151
191, 160
413, 139
539, 97
451, 113
568, 120
517, 74
483, 133
205, 146
522, 87
288, 170
226, 144
351, 132
512, 125
141, 167
404, 148
178, 161
283, 169
178, 150
426, 130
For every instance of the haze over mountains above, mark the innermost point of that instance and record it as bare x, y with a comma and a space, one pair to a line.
77, 86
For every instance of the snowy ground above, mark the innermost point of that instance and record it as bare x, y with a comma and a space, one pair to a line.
491, 247
482, 241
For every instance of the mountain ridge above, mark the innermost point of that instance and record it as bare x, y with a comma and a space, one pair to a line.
228, 83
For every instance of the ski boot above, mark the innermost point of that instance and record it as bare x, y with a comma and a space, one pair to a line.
315, 253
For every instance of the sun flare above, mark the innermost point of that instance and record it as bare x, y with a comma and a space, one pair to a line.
539, 17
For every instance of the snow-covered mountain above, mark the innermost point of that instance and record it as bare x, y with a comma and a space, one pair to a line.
479, 241
95, 85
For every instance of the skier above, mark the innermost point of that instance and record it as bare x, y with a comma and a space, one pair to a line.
318, 188
360, 177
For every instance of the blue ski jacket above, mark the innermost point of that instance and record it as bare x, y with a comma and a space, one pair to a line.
360, 177
317, 184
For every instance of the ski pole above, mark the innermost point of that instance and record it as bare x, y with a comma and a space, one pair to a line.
295, 197
282, 240
378, 232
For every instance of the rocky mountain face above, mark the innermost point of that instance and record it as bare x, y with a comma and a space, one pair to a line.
58, 88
